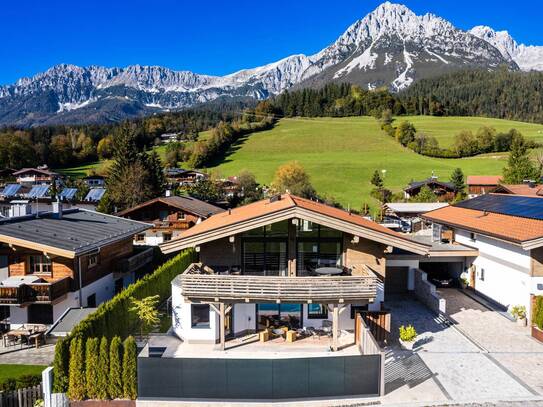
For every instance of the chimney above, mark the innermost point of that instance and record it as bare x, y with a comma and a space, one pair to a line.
20, 208
57, 209
168, 192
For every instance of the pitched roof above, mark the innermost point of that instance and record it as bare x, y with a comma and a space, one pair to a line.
287, 206
483, 179
415, 207
44, 172
522, 189
185, 203
523, 230
77, 232
431, 180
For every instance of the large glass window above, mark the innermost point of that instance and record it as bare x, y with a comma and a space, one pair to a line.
200, 316
317, 311
279, 316
265, 250
317, 246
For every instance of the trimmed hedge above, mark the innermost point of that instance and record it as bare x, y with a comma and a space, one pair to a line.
537, 313
112, 318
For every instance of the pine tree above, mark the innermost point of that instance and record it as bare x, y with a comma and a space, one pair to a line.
519, 165
377, 180
115, 366
425, 195
130, 380
76, 386
91, 367
457, 179
157, 180
61, 366
102, 377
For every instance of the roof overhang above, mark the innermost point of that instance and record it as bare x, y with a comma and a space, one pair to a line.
298, 213
15, 242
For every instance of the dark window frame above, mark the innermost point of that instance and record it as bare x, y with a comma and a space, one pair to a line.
322, 315
199, 325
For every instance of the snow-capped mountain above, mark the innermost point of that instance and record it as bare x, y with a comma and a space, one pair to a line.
391, 46
527, 57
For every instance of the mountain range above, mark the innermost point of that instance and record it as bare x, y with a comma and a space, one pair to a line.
391, 46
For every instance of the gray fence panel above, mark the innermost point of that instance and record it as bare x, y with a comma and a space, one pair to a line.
265, 379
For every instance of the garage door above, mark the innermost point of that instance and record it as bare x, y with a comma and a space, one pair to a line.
396, 280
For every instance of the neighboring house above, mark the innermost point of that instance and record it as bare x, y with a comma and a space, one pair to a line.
95, 194
34, 176
231, 186
170, 216
482, 184
284, 266
94, 181
507, 231
405, 216
169, 138
444, 191
64, 259
181, 177
527, 189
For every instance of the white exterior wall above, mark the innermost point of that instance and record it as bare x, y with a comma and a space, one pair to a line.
507, 269
155, 238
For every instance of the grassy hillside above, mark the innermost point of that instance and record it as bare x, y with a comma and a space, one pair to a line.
444, 129
341, 154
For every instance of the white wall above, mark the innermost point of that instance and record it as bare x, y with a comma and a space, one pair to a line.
181, 321
507, 269
155, 238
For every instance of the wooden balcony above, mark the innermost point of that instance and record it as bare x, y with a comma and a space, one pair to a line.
137, 260
200, 283
41, 293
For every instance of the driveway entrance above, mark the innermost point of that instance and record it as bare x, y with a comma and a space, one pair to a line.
451, 360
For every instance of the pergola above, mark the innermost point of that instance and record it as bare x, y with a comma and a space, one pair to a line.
200, 285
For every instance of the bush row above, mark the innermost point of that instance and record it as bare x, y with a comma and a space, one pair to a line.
537, 313
21, 382
113, 319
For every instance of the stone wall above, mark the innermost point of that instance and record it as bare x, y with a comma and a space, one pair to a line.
426, 293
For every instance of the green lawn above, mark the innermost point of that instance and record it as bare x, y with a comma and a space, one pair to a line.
444, 129
14, 371
341, 154
82, 170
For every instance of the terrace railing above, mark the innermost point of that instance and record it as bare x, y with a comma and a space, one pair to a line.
200, 283
35, 292
136, 261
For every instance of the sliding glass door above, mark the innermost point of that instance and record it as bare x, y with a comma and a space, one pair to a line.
279, 316
264, 250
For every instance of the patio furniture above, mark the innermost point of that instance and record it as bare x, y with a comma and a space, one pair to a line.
264, 336
328, 271
37, 338
291, 336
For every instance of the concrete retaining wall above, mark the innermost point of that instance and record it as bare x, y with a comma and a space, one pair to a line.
426, 293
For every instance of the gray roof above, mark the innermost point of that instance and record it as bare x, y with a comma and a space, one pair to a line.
64, 325
415, 207
186, 203
78, 230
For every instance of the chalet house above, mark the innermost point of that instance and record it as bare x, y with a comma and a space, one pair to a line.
94, 181
34, 176
64, 259
169, 216
444, 191
482, 184
507, 232
181, 177
406, 216
527, 189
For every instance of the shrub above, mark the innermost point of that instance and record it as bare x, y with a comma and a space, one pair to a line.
518, 311
130, 381
20, 382
408, 333
115, 385
76, 385
103, 370
91, 367
537, 314
60, 366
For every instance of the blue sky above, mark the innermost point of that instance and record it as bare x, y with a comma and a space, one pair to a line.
213, 37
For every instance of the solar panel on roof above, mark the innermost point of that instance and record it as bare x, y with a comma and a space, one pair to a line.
11, 189
95, 194
68, 193
38, 191
512, 205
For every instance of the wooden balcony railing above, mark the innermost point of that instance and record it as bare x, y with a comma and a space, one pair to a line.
34, 292
199, 283
136, 261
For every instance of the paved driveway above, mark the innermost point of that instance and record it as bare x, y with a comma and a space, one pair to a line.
447, 364
509, 345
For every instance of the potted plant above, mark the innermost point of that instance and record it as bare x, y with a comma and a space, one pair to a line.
464, 283
408, 335
519, 313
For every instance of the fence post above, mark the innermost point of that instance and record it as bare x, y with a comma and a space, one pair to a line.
47, 385
1, 399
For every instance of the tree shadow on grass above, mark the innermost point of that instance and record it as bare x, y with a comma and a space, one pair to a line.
223, 157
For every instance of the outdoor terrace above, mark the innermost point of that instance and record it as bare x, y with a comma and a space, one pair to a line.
35, 292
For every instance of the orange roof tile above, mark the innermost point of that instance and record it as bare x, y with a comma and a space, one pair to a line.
523, 189
483, 179
506, 227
